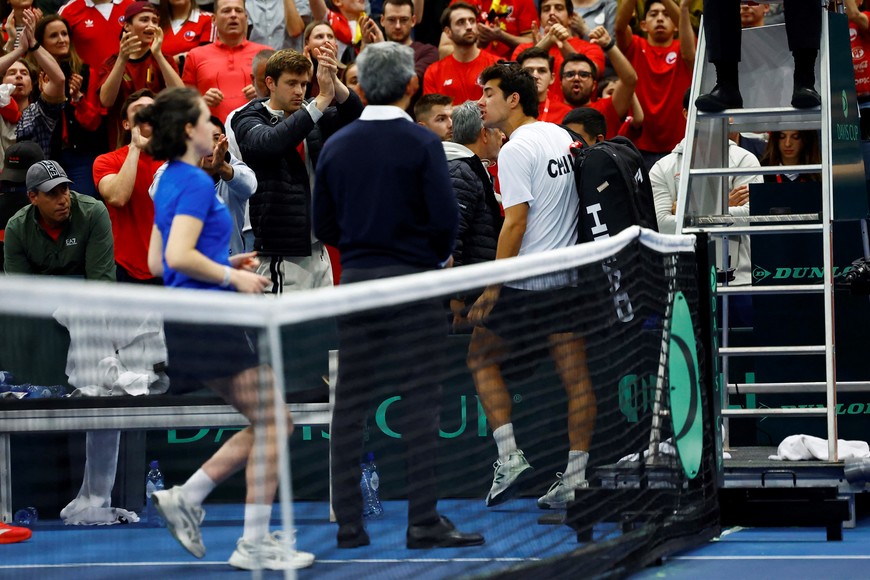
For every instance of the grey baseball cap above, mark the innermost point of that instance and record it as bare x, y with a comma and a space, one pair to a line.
45, 176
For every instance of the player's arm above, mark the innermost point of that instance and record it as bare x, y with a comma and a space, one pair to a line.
509, 241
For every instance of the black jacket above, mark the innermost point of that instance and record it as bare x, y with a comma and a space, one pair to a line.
480, 218
280, 209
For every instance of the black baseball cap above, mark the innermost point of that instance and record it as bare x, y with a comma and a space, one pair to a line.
18, 159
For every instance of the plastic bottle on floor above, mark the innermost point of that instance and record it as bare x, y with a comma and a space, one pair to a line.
153, 482
369, 485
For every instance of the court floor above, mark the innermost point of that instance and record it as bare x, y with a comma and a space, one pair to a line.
760, 553
512, 533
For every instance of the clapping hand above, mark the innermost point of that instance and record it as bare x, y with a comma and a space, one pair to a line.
247, 261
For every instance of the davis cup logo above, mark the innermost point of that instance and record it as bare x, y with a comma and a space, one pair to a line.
671, 58
189, 35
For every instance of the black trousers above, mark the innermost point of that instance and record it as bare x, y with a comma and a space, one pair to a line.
803, 27
389, 351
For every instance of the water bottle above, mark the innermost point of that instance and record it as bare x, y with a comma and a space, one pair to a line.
26, 517
369, 484
153, 482
37, 392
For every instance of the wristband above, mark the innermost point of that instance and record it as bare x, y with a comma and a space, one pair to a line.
34, 48
610, 44
226, 281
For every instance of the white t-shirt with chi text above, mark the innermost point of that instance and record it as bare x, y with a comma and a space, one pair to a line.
536, 167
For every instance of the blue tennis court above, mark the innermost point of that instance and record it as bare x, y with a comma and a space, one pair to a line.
773, 553
135, 551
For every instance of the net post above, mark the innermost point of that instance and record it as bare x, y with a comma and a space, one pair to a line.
711, 379
273, 354
333, 381
5, 480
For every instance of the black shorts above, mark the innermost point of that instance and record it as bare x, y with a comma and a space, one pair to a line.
203, 352
536, 314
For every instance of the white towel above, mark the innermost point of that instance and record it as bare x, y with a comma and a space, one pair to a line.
666, 448
803, 447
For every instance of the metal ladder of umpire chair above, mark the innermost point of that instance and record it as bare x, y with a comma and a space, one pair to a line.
702, 203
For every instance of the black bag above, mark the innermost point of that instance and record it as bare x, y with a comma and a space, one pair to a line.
613, 186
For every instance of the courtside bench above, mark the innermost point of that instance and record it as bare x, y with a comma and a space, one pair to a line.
68, 415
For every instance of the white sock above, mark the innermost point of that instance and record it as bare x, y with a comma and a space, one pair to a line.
504, 439
257, 518
197, 488
575, 472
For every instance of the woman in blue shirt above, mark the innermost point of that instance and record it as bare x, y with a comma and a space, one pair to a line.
190, 248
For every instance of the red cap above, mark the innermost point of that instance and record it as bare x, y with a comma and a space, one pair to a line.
138, 7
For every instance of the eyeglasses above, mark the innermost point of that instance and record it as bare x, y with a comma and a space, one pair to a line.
570, 74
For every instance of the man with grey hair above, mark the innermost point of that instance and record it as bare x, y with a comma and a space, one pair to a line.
473, 149
400, 219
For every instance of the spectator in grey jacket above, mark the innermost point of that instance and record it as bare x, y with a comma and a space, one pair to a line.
472, 150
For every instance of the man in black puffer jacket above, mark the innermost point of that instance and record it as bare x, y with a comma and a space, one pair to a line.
472, 150
280, 138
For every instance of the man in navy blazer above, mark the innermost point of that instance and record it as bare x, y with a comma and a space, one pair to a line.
390, 215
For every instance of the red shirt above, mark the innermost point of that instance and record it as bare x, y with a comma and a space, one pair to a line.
131, 224
96, 38
342, 29
593, 51
143, 73
223, 67
861, 57
606, 108
515, 17
553, 111
457, 79
196, 31
662, 78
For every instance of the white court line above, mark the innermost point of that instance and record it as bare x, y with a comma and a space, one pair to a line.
355, 561
817, 557
427, 560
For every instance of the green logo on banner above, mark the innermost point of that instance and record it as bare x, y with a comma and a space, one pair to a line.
685, 389
845, 104
759, 273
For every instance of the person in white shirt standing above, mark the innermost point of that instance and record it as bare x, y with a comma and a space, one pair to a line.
541, 212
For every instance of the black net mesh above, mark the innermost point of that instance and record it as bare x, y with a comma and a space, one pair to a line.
600, 352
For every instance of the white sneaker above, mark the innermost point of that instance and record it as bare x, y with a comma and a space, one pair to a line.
506, 475
559, 494
182, 519
271, 552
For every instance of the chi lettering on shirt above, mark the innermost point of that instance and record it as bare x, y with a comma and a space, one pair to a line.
535, 167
